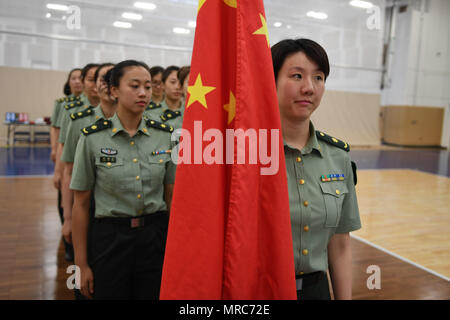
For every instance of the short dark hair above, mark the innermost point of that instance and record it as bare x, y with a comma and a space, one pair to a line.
86, 69
100, 67
155, 70
310, 48
66, 89
118, 70
183, 73
168, 71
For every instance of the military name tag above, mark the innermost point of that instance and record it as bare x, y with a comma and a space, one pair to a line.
107, 159
109, 151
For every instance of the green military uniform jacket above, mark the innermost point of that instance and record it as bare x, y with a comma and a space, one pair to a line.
79, 120
66, 111
127, 174
322, 198
59, 106
162, 113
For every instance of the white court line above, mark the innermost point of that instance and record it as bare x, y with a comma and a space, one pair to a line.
402, 169
25, 176
400, 257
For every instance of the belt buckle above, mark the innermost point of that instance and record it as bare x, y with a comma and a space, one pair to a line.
137, 222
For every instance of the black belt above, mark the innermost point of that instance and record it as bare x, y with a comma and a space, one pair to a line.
134, 222
306, 280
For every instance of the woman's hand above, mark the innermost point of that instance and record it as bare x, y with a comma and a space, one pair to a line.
53, 156
86, 281
57, 179
67, 230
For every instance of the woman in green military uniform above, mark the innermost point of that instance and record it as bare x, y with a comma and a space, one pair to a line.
79, 120
321, 181
172, 108
126, 162
73, 89
87, 98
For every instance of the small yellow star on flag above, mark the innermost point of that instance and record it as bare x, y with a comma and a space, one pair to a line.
231, 3
231, 108
198, 91
263, 30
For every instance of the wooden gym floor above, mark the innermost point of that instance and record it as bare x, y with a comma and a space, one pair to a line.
405, 215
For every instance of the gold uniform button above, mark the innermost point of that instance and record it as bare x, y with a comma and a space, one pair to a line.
335, 140
114, 130
301, 273
109, 164
145, 130
302, 181
137, 177
337, 191
138, 196
80, 114
306, 228
322, 134
135, 160
299, 159
306, 203
94, 127
132, 143
305, 252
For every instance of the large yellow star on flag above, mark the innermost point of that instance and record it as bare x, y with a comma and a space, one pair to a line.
200, 4
263, 30
231, 108
198, 91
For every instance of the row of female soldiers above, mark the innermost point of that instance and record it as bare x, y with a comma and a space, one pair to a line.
122, 161
111, 137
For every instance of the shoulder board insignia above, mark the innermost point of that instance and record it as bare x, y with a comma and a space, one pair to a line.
81, 114
153, 105
99, 125
69, 99
169, 114
338, 143
70, 105
159, 125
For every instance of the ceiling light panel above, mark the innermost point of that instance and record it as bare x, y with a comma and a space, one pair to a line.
57, 7
317, 15
121, 24
361, 4
132, 16
145, 5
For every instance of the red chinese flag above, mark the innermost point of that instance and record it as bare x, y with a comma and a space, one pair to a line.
229, 233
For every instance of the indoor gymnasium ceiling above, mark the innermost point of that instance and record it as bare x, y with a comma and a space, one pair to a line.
285, 18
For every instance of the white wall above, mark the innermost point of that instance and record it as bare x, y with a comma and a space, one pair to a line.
420, 71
